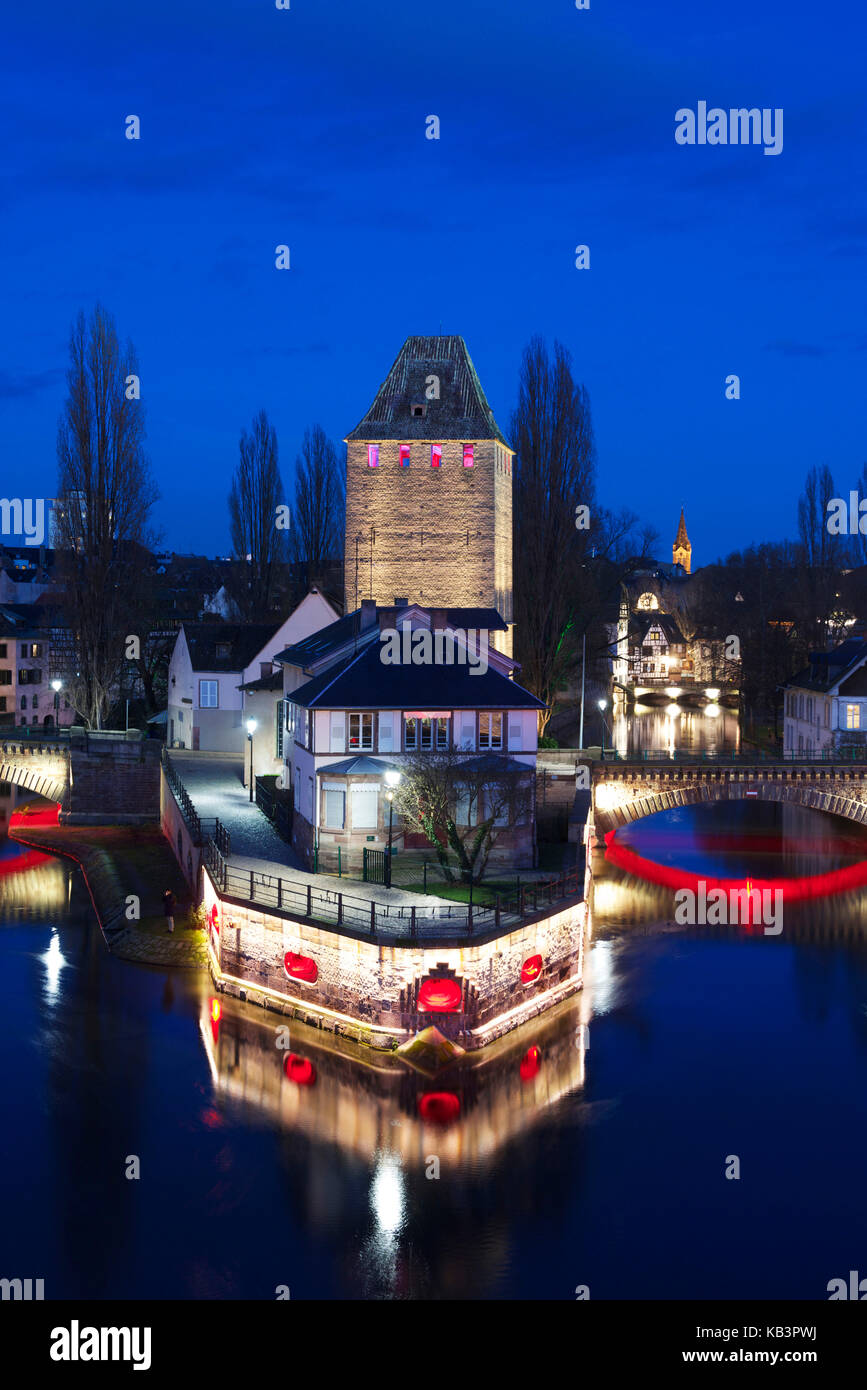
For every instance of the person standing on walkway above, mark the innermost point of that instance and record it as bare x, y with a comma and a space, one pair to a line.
169, 908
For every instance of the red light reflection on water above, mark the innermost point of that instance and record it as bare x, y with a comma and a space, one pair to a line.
793, 889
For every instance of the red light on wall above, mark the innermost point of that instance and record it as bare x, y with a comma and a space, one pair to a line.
216, 1010
439, 1107
436, 455
373, 455
404, 456
215, 919
439, 997
530, 1064
300, 967
299, 1070
531, 970
468, 456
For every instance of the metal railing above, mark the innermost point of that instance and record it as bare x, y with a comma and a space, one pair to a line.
385, 921
276, 808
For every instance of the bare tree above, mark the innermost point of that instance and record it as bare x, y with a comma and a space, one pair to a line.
463, 806
552, 434
257, 526
320, 503
105, 495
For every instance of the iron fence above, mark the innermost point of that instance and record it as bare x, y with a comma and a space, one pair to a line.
386, 921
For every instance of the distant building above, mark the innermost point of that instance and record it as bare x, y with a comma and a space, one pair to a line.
681, 551
28, 663
429, 489
212, 662
825, 704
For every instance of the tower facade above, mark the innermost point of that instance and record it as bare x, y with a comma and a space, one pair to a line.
429, 489
681, 551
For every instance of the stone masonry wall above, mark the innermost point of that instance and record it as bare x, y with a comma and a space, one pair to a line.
375, 986
114, 782
421, 517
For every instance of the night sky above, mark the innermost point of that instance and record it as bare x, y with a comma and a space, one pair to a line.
307, 127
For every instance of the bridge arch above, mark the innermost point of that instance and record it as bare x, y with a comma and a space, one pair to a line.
619, 800
37, 770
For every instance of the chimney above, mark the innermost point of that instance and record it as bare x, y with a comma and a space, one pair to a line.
401, 602
368, 614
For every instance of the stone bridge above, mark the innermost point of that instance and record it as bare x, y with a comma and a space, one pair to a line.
107, 778
624, 792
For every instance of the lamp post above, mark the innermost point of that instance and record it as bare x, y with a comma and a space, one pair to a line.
251, 729
603, 705
57, 686
392, 779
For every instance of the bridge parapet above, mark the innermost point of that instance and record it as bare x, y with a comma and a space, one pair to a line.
624, 792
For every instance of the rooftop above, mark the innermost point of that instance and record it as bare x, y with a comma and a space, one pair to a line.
460, 412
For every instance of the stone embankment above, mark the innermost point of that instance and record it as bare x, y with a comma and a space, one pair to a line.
120, 863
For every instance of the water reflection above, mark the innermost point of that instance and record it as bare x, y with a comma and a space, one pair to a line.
675, 727
33, 886
818, 861
379, 1107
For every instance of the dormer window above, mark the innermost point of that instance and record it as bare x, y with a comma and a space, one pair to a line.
373, 455
436, 455
404, 456
419, 410
223, 650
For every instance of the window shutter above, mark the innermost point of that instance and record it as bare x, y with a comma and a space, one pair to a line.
386, 732
338, 731
515, 731
335, 809
468, 730
365, 808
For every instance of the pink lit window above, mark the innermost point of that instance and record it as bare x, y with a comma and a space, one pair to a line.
373, 455
404, 456
436, 455
468, 456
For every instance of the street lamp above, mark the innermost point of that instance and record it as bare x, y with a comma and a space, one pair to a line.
57, 686
251, 729
603, 705
392, 781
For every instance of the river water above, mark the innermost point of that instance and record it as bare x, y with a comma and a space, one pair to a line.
559, 1166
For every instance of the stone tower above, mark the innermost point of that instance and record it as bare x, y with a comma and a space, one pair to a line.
429, 489
681, 551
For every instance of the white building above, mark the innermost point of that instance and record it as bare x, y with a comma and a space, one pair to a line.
212, 661
825, 705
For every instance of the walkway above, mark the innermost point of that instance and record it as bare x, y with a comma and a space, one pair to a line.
215, 787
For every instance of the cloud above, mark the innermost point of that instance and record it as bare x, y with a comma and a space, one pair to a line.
787, 348
17, 385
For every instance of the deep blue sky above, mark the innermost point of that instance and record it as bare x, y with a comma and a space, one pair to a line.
307, 127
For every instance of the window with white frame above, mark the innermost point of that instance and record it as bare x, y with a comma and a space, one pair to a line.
334, 809
365, 807
360, 731
410, 733
209, 694
853, 716
466, 807
490, 730
442, 732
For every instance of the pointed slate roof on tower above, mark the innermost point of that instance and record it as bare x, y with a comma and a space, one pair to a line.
682, 537
462, 411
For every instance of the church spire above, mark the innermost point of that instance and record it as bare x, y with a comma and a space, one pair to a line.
681, 551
